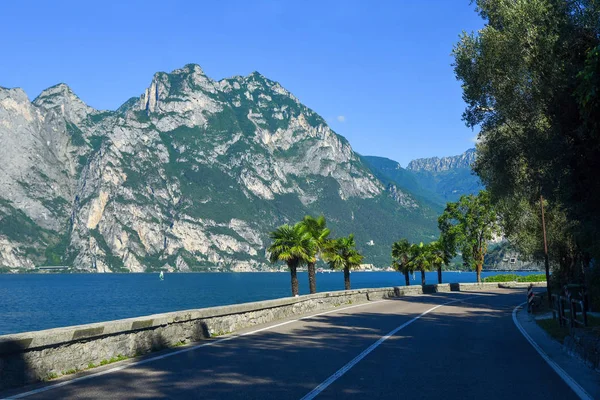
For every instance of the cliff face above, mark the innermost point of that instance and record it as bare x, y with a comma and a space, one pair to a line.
437, 164
434, 181
193, 174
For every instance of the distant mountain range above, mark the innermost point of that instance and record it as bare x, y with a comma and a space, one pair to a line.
193, 174
434, 181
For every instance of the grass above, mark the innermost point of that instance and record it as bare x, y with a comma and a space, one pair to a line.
516, 278
554, 330
561, 332
71, 371
220, 333
51, 376
115, 359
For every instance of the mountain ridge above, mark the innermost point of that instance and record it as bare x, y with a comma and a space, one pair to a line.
434, 181
190, 175
440, 164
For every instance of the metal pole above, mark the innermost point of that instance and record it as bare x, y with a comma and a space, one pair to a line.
546, 261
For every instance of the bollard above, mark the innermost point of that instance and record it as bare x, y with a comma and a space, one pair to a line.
529, 298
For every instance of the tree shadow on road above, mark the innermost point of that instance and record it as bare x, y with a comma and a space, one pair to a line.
290, 360
14, 369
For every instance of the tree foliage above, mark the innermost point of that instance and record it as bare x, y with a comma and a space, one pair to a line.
468, 225
294, 246
319, 234
341, 254
401, 257
419, 257
531, 83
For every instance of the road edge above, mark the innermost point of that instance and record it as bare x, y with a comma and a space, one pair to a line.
568, 379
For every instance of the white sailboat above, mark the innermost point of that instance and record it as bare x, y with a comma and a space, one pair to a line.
161, 276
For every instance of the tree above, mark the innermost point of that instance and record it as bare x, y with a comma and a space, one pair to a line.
468, 225
294, 246
420, 259
317, 229
531, 82
522, 226
401, 256
438, 255
341, 254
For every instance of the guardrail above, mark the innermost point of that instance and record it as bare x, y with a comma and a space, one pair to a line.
574, 306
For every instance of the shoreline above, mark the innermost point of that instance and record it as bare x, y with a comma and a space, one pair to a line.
84, 272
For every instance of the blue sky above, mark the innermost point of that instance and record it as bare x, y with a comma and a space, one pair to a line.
378, 71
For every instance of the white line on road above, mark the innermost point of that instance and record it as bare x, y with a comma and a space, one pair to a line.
561, 372
174, 353
315, 392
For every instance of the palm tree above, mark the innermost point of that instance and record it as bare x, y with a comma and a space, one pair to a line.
341, 253
401, 255
317, 229
436, 257
420, 259
294, 246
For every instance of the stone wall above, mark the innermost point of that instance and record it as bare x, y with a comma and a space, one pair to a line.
33, 356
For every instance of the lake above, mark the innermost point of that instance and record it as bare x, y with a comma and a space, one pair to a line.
31, 302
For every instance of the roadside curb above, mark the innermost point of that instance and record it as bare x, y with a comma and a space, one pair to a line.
587, 385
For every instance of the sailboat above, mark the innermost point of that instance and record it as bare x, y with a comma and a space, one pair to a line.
161, 276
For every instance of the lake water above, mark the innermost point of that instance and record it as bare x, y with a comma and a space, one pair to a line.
31, 302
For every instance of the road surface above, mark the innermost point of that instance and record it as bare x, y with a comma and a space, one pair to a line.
468, 349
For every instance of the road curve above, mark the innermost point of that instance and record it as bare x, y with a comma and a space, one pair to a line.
468, 349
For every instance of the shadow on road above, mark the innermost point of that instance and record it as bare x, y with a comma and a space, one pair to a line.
14, 369
289, 361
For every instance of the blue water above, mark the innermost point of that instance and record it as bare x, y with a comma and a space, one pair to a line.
31, 302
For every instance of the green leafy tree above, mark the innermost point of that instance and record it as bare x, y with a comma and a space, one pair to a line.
531, 83
294, 246
341, 254
318, 231
469, 225
401, 258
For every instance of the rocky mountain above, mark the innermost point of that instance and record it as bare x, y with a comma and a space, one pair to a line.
437, 164
191, 175
432, 181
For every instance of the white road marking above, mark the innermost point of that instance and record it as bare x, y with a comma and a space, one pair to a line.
576, 387
316, 391
174, 353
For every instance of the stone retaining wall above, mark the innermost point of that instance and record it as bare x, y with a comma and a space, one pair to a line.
33, 356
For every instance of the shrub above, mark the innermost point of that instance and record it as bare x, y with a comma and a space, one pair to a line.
516, 278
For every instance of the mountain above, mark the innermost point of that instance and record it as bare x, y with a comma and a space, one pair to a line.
191, 175
432, 181
437, 165
447, 177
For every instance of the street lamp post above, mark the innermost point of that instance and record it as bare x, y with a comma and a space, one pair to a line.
546, 261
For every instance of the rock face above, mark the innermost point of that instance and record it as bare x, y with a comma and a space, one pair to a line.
436, 164
435, 181
191, 175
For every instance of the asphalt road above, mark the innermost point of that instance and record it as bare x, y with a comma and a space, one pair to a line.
464, 350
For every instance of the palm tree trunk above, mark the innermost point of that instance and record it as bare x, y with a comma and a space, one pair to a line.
312, 278
422, 277
347, 278
440, 274
406, 278
294, 275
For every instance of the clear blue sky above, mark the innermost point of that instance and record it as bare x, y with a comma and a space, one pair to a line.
378, 71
